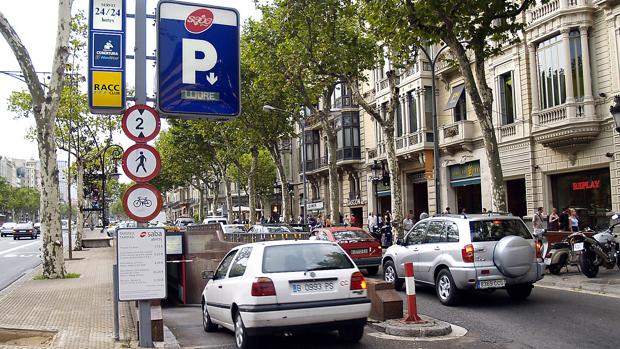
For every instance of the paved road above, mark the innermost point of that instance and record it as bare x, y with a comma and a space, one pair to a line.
17, 257
550, 318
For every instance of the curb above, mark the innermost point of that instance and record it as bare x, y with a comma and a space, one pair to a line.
433, 328
599, 291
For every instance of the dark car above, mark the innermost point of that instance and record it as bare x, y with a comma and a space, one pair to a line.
363, 248
24, 230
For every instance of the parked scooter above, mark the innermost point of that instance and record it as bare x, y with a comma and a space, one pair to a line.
602, 249
560, 255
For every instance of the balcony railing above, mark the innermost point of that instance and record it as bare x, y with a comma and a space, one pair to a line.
566, 125
342, 154
459, 134
551, 8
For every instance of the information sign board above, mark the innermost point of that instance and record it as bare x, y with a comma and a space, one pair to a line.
141, 259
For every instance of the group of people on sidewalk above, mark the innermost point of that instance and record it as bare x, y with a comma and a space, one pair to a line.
567, 220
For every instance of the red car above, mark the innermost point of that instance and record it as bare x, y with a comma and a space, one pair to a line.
363, 248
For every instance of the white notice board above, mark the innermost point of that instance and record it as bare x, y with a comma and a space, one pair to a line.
141, 258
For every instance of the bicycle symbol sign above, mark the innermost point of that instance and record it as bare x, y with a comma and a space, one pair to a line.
141, 162
141, 123
142, 202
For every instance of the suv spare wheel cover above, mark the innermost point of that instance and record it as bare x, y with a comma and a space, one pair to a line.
513, 256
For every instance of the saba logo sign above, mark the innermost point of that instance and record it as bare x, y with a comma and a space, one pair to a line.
151, 234
199, 21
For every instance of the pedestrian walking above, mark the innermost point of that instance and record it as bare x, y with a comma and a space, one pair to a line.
328, 221
554, 220
564, 219
386, 232
372, 222
538, 220
407, 223
447, 211
574, 220
346, 221
353, 220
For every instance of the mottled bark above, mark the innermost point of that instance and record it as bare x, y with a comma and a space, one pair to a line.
277, 158
252, 185
201, 204
332, 167
229, 200
216, 196
387, 128
79, 165
481, 98
45, 108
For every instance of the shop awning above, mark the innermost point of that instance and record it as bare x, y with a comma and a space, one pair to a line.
454, 96
382, 194
464, 182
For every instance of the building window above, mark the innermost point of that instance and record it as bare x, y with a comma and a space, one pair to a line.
460, 109
413, 112
399, 120
576, 60
428, 106
348, 136
506, 98
551, 72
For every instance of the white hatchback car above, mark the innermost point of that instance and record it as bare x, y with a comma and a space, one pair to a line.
283, 287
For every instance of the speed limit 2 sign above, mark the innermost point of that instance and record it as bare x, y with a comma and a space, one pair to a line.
141, 123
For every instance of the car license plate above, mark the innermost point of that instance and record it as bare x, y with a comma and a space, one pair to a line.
312, 287
547, 261
578, 246
491, 283
359, 251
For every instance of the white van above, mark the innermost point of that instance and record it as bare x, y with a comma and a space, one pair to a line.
215, 219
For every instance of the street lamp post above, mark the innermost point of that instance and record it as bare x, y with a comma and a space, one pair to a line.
433, 62
302, 126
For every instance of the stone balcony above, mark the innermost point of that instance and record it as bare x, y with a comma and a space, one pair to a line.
459, 136
545, 18
414, 142
566, 125
511, 132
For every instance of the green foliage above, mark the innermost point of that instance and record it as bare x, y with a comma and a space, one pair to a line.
24, 202
67, 276
265, 173
5, 194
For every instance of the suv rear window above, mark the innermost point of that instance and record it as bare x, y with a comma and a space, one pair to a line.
304, 257
495, 230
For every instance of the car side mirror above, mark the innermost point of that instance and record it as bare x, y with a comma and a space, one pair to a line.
207, 274
400, 242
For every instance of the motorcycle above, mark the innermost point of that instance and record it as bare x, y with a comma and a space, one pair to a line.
602, 249
560, 255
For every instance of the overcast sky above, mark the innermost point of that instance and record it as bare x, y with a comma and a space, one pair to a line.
35, 22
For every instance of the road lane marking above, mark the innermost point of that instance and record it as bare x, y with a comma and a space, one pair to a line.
575, 290
19, 247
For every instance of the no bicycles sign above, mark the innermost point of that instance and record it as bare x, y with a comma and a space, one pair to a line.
142, 202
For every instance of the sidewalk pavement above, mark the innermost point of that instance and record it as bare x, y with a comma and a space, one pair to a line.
607, 282
80, 309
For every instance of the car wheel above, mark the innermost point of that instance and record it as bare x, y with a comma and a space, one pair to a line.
242, 340
14, 237
390, 275
446, 289
207, 325
372, 271
519, 292
351, 334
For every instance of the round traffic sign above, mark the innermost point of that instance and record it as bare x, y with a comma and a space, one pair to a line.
141, 123
142, 202
141, 162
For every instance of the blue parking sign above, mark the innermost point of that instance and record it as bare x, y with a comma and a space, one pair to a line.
107, 50
198, 61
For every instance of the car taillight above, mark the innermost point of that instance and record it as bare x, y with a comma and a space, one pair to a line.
538, 249
468, 253
357, 281
262, 287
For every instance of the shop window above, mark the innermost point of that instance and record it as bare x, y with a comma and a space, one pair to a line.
506, 98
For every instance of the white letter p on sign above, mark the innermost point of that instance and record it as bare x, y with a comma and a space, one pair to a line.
191, 64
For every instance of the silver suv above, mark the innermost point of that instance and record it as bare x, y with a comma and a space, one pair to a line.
456, 253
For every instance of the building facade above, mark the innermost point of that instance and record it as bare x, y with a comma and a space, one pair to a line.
557, 143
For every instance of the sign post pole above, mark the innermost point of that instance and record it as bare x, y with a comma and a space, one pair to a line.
144, 306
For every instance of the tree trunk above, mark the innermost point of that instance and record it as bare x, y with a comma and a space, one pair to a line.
277, 157
216, 196
80, 202
252, 185
201, 203
45, 108
482, 100
229, 200
332, 168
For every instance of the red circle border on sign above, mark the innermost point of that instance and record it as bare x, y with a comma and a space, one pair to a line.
157, 208
157, 162
138, 139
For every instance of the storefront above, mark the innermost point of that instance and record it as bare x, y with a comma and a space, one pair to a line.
419, 193
465, 181
588, 192
384, 198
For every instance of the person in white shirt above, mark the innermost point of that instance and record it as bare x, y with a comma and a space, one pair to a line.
372, 222
407, 223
